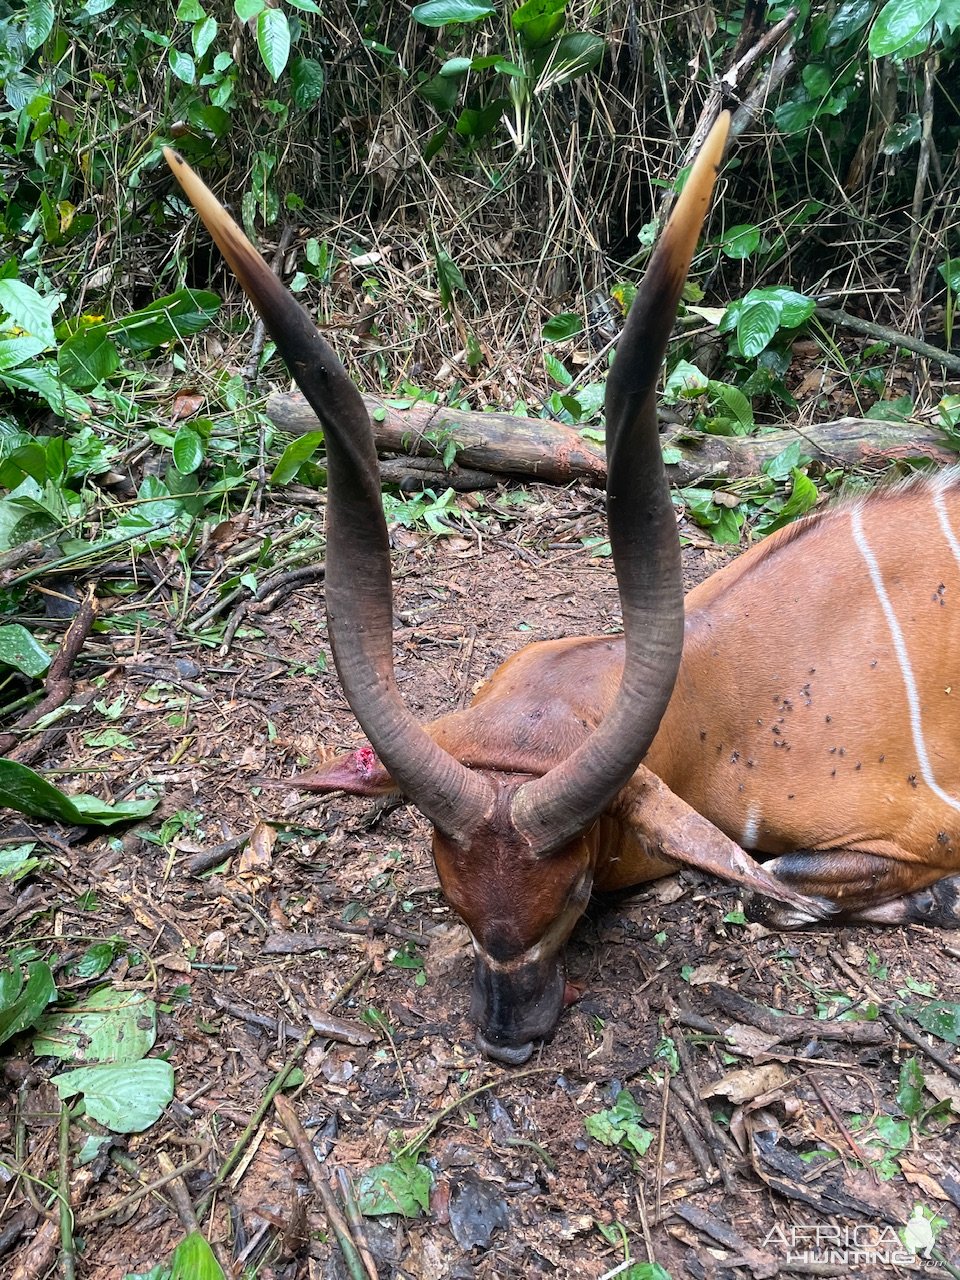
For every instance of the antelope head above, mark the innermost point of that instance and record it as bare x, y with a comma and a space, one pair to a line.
515, 853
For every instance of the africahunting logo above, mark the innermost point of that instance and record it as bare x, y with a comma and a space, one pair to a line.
858, 1246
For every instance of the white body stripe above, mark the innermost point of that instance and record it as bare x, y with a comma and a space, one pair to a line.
751, 828
903, 658
941, 509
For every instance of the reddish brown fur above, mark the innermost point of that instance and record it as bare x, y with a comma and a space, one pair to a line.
788, 713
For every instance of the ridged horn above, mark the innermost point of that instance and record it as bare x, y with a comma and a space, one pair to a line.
358, 585
553, 809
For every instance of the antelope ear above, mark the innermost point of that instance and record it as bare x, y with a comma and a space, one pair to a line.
359, 773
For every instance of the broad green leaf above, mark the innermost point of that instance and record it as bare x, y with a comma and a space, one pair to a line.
203, 35
557, 371
437, 13
182, 65
938, 1017
851, 17
295, 455
18, 649
27, 309
756, 327
562, 326
19, 349
247, 9
793, 308
105, 1026
193, 1259
273, 40
538, 21
30, 793
17, 861
442, 92
950, 273
620, 1126
190, 11
456, 67
188, 450
787, 460
737, 406
898, 23
741, 241
22, 1003
307, 79
574, 56
910, 1092
449, 278
901, 135
795, 115
398, 1187
39, 23
127, 1097
88, 358
44, 382
96, 960
685, 382
176, 316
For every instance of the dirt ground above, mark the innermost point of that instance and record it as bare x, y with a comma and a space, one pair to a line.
766, 1141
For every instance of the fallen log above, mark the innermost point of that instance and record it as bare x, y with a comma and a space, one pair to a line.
504, 445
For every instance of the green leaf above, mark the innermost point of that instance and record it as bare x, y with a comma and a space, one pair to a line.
273, 40
127, 1097
557, 371
851, 17
88, 358
910, 1092
190, 11
18, 649
307, 80
901, 135
30, 793
787, 460
620, 1126
188, 450
182, 65
17, 861
22, 1003
39, 22
741, 241
449, 278
295, 455
898, 23
574, 56
96, 960
105, 1026
193, 1259
203, 35
437, 13
27, 309
456, 67
401, 1186
562, 326
937, 1017
19, 349
175, 316
248, 9
736, 404
538, 21
756, 327
949, 271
